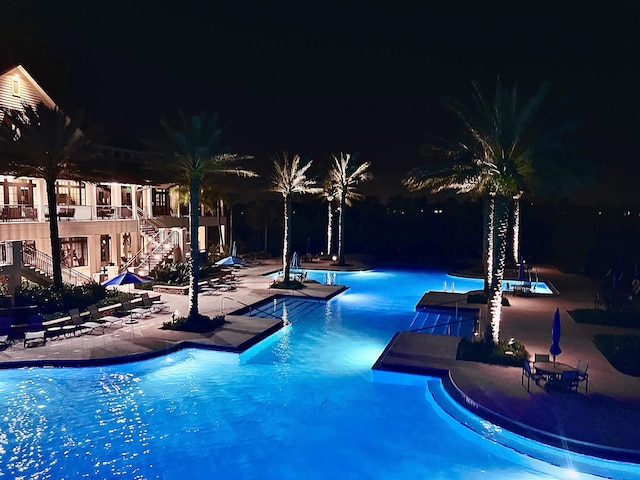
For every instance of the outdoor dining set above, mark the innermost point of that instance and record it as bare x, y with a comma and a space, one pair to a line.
556, 375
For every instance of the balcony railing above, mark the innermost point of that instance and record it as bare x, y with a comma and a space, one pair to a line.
18, 213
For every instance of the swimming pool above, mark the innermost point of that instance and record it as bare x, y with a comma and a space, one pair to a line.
432, 281
302, 404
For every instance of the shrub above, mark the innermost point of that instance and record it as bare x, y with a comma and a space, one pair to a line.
178, 273
198, 324
596, 316
501, 353
291, 285
50, 301
621, 351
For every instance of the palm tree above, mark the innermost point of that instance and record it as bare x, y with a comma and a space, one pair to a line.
288, 179
192, 150
329, 193
42, 142
506, 149
345, 177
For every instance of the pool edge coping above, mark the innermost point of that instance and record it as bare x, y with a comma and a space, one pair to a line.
577, 446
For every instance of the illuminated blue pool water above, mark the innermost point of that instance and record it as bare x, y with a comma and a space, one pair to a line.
302, 404
427, 281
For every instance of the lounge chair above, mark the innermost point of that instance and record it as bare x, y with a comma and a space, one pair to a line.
97, 316
526, 372
83, 326
35, 333
583, 376
56, 331
31, 338
5, 331
134, 312
153, 307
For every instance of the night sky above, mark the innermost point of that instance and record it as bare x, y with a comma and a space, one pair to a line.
316, 77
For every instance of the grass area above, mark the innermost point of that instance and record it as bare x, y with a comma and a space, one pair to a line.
596, 316
501, 353
621, 351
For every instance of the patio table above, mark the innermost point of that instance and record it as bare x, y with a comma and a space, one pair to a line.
552, 371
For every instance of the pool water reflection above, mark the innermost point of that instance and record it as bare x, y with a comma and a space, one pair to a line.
301, 404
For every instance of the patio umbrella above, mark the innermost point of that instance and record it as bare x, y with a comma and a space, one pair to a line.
234, 249
521, 272
555, 336
295, 261
230, 261
124, 278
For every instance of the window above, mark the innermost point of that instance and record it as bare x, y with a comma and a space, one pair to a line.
15, 85
74, 251
70, 193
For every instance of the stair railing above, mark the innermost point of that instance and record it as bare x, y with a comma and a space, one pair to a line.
44, 263
173, 239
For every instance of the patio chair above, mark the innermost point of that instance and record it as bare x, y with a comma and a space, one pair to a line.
583, 376
568, 381
526, 372
83, 326
97, 316
540, 357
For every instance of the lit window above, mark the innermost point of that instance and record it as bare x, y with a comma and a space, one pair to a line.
15, 85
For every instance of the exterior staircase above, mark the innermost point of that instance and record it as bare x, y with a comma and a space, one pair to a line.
159, 245
38, 267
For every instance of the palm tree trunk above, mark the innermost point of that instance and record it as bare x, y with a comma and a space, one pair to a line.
341, 228
488, 243
516, 230
194, 220
329, 228
501, 229
286, 240
54, 233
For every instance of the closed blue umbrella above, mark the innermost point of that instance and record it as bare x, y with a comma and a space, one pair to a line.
234, 250
555, 336
295, 262
521, 273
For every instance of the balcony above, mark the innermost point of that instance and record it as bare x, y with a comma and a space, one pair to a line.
18, 213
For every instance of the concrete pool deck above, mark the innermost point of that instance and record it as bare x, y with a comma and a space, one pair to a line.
608, 415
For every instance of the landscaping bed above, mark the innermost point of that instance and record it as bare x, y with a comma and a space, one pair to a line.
501, 353
621, 351
596, 316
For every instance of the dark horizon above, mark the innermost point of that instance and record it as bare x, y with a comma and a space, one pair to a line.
357, 78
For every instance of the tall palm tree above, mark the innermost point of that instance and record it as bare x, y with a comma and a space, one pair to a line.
42, 142
346, 176
191, 150
329, 193
289, 178
507, 148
